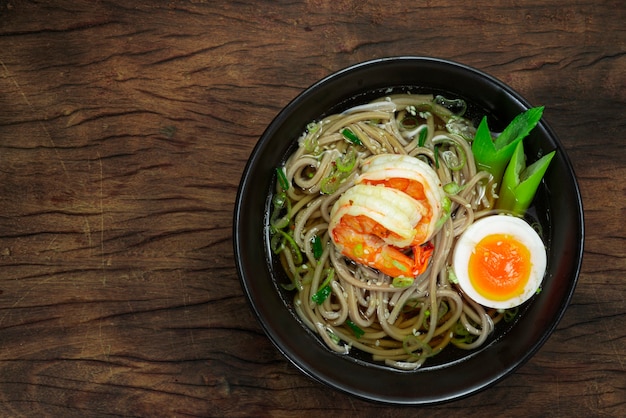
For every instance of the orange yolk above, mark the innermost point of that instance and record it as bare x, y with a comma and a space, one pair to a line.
499, 267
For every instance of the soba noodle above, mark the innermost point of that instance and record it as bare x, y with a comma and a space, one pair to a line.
400, 326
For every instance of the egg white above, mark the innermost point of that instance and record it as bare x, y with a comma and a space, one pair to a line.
499, 224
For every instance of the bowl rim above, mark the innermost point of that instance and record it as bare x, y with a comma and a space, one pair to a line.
276, 333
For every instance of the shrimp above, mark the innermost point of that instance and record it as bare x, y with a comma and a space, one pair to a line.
415, 178
393, 206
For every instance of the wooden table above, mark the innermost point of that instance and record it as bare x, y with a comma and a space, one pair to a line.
124, 130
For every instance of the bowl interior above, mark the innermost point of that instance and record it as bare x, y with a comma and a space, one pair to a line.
453, 373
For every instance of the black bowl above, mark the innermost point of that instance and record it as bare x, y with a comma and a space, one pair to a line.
453, 373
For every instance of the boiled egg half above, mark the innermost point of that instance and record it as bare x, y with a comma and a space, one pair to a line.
499, 261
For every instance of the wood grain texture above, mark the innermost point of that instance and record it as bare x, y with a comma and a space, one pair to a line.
124, 129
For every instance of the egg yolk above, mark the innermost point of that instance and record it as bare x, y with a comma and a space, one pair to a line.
499, 267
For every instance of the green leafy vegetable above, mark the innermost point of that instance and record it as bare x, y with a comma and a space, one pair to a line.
493, 156
520, 183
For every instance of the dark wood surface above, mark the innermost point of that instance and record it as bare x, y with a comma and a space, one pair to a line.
124, 129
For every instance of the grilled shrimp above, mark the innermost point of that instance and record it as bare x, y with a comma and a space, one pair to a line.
394, 206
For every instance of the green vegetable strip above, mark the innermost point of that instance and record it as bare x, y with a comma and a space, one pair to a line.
350, 136
520, 183
422, 138
358, 332
493, 156
324, 290
288, 239
282, 178
317, 247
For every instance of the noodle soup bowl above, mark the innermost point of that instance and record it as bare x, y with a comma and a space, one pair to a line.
453, 373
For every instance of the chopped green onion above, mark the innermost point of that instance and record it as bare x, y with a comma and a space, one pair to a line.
331, 183
281, 204
292, 245
459, 329
320, 296
461, 334
401, 281
452, 276
452, 188
317, 247
276, 242
334, 337
282, 178
311, 139
312, 127
415, 347
347, 161
423, 135
493, 156
436, 156
520, 183
289, 287
446, 206
325, 289
510, 314
358, 332
350, 136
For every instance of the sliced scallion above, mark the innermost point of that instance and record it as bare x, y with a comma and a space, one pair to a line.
401, 281
331, 183
422, 138
325, 289
317, 247
347, 161
452, 188
358, 332
288, 239
350, 136
282, 178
